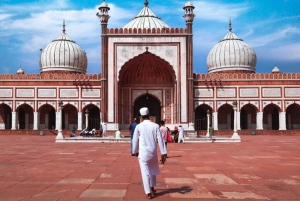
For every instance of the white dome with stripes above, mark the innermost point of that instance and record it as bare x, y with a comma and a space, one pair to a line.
231, 54
146, 19
63, 54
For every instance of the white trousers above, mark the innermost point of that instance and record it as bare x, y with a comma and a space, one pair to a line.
148, 180
180, 138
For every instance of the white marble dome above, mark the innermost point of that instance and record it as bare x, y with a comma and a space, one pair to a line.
146, 19
63, 55
231, 54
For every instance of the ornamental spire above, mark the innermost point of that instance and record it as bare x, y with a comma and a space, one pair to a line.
64, 27
230, 28
146, 3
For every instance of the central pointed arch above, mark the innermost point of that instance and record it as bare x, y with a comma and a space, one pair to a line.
147, 69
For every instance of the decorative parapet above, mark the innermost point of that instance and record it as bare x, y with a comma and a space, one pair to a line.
147, 31
50, 76
246, 76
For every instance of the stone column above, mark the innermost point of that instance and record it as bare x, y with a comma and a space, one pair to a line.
269, 121
215, 117
66, 122
259, 121
13, 121
26, 121
282, 121
228, 126
57, 120
86, 118
79, 126
208, 123
35, 120
249, 121
235, 135
46, 121
289, 116
238, 119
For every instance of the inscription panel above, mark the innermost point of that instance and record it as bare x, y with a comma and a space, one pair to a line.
90, 93
249, 92
226, 92
25, 93
46, 92
271, 92
69, 93
203, 93
5, 93
292, 92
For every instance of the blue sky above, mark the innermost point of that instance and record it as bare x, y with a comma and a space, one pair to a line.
271, 27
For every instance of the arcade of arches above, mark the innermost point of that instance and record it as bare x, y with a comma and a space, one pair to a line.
247, 117
47, 117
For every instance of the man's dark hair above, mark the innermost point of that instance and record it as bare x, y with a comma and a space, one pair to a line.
145, 116
162, 122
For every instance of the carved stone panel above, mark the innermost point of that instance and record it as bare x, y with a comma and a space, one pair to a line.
292, 92
271, 92
28, 93
249, 92
226, 93
69, 93
46, 92
203, 93
6, 93
86, 93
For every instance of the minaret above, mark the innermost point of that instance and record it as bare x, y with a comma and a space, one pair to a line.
103, 16
189, 18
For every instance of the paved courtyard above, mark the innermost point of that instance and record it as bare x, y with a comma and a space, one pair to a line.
36, 168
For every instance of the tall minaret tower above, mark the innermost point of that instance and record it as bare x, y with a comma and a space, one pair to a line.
189, 18
103, 16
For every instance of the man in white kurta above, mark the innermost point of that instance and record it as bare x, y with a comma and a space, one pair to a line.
144, 142
181, 134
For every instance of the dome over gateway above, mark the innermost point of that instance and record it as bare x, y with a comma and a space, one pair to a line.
63, 55
231, 54
146, 19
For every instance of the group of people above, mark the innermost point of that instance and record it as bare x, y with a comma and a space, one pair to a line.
86, 132
144, 139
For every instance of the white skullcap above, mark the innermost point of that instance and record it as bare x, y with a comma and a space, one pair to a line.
144, 111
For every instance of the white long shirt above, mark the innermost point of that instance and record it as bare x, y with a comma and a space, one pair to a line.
145, 138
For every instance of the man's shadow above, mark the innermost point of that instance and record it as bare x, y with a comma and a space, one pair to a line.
181, 190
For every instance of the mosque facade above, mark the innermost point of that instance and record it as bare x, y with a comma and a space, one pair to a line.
147, 63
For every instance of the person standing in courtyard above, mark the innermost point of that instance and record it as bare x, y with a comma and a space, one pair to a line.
181, 134
145, 138
131, 129
104, 127
164, 132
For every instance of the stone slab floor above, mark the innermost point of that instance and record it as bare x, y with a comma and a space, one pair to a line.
35, 168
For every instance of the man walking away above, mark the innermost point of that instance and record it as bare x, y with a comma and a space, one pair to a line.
145, 138
131, 129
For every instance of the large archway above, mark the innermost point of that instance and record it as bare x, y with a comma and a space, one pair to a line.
25, 117
69, 117
5, 116
201, 117
271, 117
143, 73
293, 117
225, 117
248, 117
47, 117
151, 103
93, 117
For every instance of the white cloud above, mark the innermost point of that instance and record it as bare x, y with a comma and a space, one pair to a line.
282, 34
288, 52
219, 12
